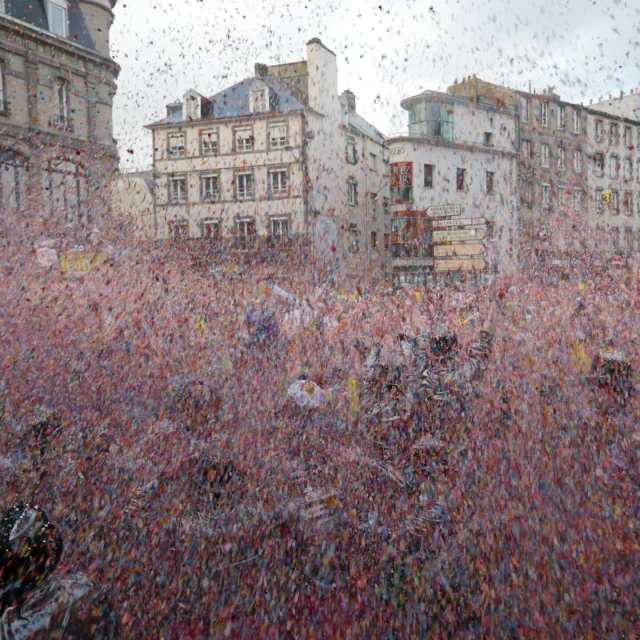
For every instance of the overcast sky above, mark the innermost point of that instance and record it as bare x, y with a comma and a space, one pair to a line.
386, 52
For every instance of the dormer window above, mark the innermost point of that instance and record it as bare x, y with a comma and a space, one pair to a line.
192, 108
259, 101
58, 17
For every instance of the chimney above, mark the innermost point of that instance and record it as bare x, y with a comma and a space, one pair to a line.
323, 79
262, 70
351, 100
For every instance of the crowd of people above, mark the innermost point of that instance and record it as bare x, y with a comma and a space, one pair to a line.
242, 453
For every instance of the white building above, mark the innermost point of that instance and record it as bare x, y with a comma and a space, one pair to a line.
624, 106
275, 158
614, 181
457, 152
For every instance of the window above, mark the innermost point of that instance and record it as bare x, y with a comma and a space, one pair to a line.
280, 229
614, 134
544, 155
627, 203
211, 231
385, 206
576, 121
62, 117
245, 233
615, 203
352, 154
577, 160
210, 188
193, 107
354, 238
560, 159
460, 179
352, 192
628, 169
490, 181
209, 143
177, 189
178, 229
615, 238
3, 104
544, 110
243, 139
628, 239
627, 136
374, 239
526, 150
277, 135
402, 182
546, 194
527, 191
598, 159
577, 199
58, 23
614, 166
560, 117
387, 241
488, 139
429, 170
599, 201
244, 186
176, 145
259, 100
525, 109
598, 133
562, 195
373, 162
279, 182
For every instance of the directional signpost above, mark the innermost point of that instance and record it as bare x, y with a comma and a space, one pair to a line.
444, 211
459, 235
465, 264
456, 250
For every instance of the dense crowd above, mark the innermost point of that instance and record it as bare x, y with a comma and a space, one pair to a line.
207, 499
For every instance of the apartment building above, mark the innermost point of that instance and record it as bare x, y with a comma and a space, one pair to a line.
454, 188
57, 83
276, 158
614, 179
624, 105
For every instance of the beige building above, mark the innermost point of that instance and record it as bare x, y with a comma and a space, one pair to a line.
57, 83
132, 203
277, 158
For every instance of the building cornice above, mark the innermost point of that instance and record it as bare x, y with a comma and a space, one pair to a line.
24, 30
210, 122
463, 146
446, 98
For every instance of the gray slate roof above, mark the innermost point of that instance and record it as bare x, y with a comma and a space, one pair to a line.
34, 12
233, 102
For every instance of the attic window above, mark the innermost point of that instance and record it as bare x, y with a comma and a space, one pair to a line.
58, 18
193, 107
259, 100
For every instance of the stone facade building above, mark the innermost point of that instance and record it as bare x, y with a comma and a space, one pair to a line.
276, 158
57, 83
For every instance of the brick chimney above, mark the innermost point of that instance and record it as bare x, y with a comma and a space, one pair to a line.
351, 100
262, 70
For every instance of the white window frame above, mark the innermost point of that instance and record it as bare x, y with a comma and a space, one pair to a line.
243, 144
277, 227
352, 192
560, 117
599, 172
560, 159
433, 176
545, 194
628, 169
562, 193
628, 136
544, 114
208, 138
598, 130
277, 142
259, 100
61, 119
628, 210
181, 149
245, 192
351, 151
544, 155
175, 224
211, 223
242, 231
178, 196
576, 121
577, 160
208, 194
615, 203
278, 186
64, 8
614, 166
577, 199
526, 149
614, 133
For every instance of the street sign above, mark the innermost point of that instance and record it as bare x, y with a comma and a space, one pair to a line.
455, 250
444, 211
459, 235
468, 264
460, 222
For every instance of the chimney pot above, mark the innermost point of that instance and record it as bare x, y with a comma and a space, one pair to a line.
261, 70
351, 100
